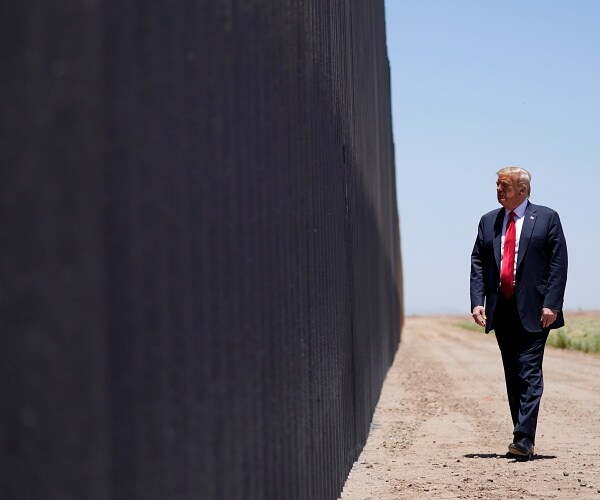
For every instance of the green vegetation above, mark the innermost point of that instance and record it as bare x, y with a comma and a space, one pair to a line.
581, 332
469, 325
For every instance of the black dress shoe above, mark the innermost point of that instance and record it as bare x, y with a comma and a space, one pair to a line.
522, 449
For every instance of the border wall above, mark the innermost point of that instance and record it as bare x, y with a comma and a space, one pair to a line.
200, 279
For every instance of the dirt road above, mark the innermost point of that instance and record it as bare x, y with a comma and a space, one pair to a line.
442, 425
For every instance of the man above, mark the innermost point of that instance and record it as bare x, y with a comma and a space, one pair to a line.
518, 279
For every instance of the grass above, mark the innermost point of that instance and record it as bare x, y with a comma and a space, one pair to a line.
580, 333
469, 325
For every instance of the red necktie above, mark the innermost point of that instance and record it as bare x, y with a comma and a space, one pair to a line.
507, 272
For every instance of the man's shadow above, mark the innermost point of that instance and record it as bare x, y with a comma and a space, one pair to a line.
509, 456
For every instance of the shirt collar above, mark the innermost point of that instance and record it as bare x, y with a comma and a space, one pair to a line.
519, 211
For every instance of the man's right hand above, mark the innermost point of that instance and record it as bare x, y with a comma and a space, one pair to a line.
479, 315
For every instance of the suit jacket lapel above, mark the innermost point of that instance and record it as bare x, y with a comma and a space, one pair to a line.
528, 223
498, 236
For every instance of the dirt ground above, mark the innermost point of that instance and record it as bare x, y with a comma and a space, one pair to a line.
442, 425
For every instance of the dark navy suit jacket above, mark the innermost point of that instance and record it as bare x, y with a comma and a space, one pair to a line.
541, 273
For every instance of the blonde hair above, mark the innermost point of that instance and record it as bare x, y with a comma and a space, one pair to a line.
522, 176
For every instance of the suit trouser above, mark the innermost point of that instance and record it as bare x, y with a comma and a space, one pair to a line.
522, 356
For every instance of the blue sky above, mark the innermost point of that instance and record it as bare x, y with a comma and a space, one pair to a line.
482, 84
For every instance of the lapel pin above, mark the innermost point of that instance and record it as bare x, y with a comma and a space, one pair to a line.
531, 217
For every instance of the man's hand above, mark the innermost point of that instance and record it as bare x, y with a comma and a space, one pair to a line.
548, 317
479, 315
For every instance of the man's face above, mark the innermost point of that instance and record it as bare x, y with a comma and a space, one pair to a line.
509, 194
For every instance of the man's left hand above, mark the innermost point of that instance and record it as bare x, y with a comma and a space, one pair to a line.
548, 317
